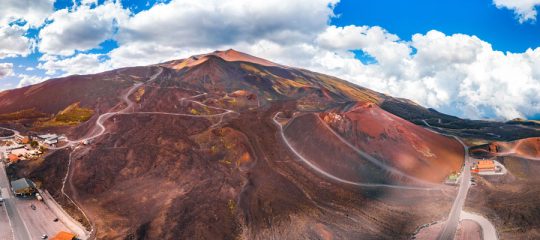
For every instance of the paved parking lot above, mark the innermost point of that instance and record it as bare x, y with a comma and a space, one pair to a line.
39, 221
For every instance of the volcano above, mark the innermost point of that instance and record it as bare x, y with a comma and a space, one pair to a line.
226, 145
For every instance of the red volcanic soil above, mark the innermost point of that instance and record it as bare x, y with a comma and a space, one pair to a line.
313, 140
99, 91
174, 166
228, 55
235, 56
526, 148
397, 143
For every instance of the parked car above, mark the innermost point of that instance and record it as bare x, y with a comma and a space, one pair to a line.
44, 236
38, 197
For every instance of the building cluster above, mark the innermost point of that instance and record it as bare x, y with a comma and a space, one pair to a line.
480, 167
49, 139
29, 147
16, 148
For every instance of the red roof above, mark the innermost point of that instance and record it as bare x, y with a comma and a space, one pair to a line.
486, 164
13, 158
63, 236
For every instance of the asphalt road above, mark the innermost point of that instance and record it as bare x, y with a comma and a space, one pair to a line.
451, 224
449, 229
488, 230
19, 221
5, 225
39, 221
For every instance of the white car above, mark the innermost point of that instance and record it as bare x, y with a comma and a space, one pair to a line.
44, 236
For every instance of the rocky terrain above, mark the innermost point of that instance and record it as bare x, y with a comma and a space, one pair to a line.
229, 146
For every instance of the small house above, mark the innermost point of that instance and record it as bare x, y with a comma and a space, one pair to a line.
23, 187
486, 165
47, 136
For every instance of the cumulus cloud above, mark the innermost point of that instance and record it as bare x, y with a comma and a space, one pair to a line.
6, 69
525, 10
214, 23
13, 42
33, 12
16, 17
82, 28
459, 74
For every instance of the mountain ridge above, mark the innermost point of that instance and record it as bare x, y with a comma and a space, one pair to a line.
219, 149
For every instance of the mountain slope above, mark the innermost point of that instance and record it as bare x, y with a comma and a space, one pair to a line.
226, 145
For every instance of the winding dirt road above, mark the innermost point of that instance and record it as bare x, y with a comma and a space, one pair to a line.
335, 178
102, 130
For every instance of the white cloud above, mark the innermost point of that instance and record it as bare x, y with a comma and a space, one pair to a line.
525, 10
89, 2
6, 69
13, 42
78, 64
214, 23
16, 17
81, 29
25, 80
34, 12
140, 53
458, 74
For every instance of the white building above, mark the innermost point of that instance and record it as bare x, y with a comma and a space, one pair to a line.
47, 136
49, 139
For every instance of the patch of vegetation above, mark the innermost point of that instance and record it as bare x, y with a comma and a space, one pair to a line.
139, 94
231, 205
23, 114
194, 111
70, 116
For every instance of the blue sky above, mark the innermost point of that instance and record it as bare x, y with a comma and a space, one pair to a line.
455, 56
479, 17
